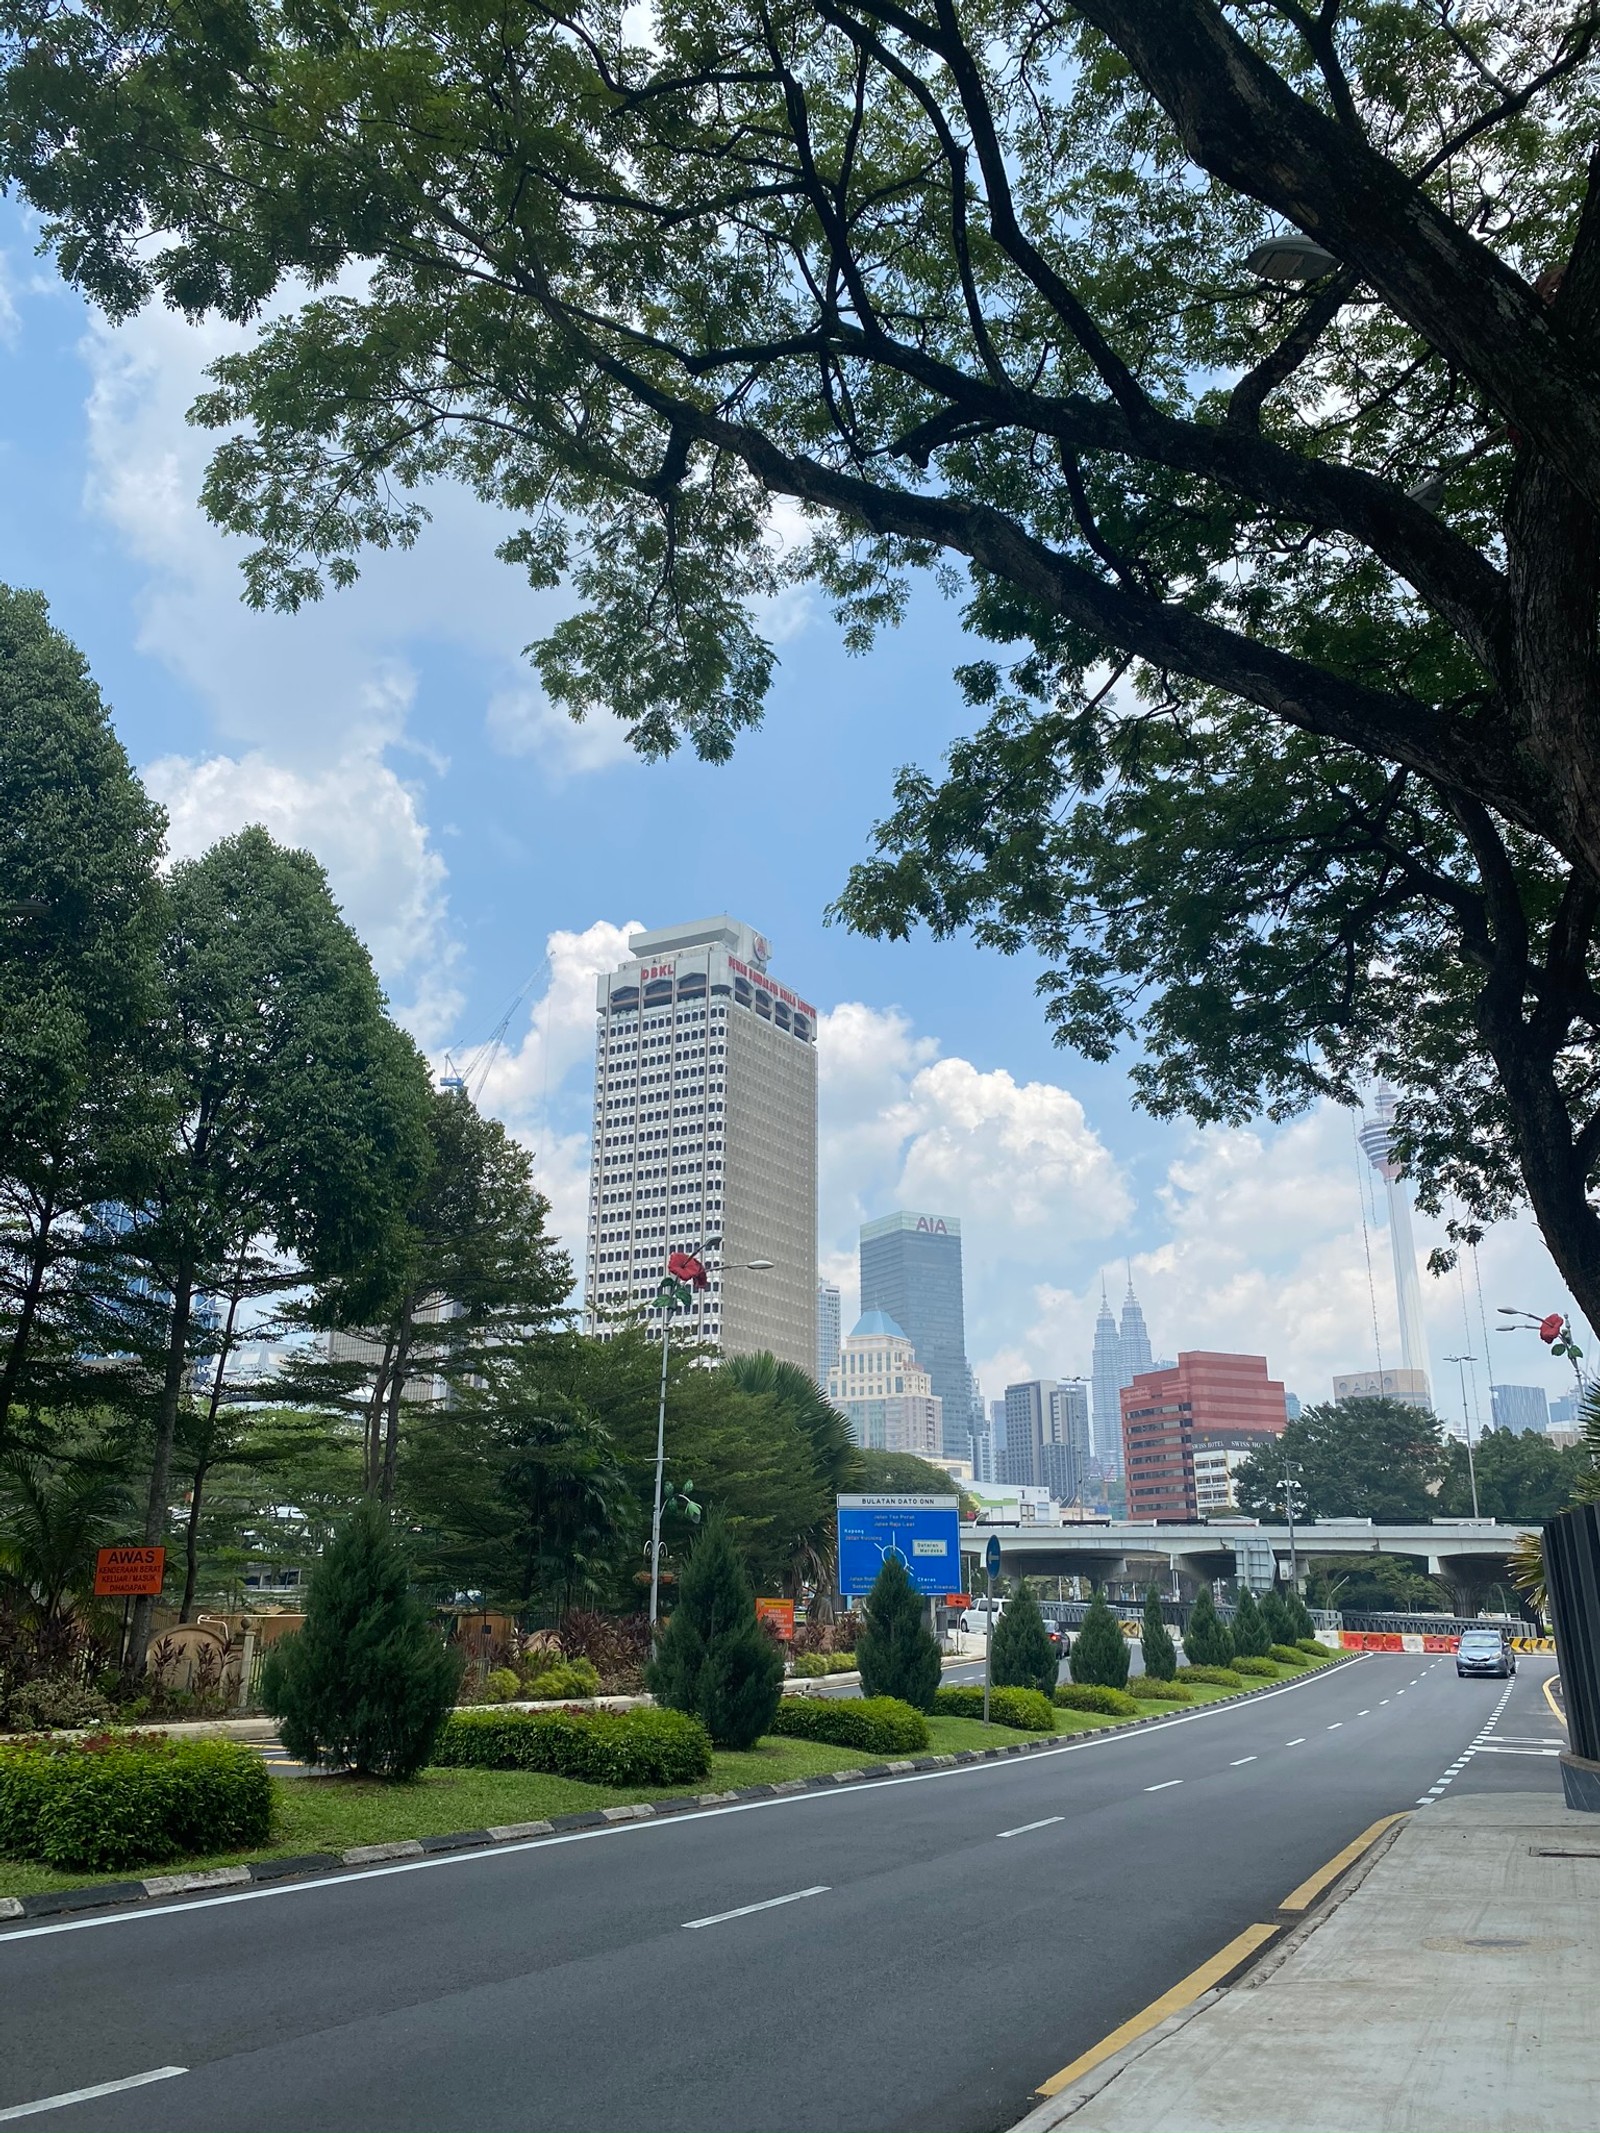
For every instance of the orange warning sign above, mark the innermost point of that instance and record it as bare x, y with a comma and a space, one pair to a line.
128, 1573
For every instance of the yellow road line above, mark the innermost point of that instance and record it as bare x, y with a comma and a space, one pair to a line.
1182, 1995
1311, 1888
1547, 1685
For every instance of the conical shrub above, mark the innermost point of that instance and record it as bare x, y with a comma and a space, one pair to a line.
1207, 1641
896, 1650
368, 1682
1300, 1615
1099, 1652
1251, 1637
714, 1660
1276, 1613
1155, 1641
1023, 1656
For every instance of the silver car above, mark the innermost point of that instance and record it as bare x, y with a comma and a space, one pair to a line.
1485, 1651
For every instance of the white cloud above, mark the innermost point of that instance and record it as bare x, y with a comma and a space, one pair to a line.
363, 824
523, 721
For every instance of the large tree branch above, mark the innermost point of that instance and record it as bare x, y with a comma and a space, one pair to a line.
1248, 128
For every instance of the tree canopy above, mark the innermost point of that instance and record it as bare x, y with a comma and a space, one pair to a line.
1381, 1459
1282, 576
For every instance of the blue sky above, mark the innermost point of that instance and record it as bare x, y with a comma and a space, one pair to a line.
477, 840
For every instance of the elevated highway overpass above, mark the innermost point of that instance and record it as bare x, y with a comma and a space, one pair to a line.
1466, 1554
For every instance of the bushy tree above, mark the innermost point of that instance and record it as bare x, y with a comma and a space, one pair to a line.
1277, 1616
897, 1652
1207, 1641
1100, 1651
368, 1682
714, 1660
1378, 1458
1155, 1641
1022, 1656
1251, 1636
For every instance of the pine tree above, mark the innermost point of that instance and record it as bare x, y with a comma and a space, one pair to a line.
1099, 1652
1300, 1614
1160, 1653
368, 1682
714, 1660
1275, 1613
1251, 1635
1023, 1656
1207, 1641
898, 1653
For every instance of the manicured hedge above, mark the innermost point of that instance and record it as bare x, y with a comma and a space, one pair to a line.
1286, 1655
1314, 1648
568, 1677
877, 1725
1244, 1663
1215, 1677
1106, 1703
1026, 1709
121, 1800
1148, 1690
603, 1747
810, 1666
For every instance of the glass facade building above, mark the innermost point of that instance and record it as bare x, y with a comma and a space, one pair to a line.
911, 1269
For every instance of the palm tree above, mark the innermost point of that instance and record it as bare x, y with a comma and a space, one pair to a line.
54, 1517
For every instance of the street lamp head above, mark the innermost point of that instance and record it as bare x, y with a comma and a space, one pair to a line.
1291, 258
761, 1266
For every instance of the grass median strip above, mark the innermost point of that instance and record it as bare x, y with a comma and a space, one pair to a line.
331, 1817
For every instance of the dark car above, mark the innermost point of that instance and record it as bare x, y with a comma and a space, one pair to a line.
1485, 1651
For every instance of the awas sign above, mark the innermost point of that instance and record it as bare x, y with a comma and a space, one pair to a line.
924, 1531
129, 1573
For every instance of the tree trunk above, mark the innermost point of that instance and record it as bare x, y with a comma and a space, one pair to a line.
155, 1515
397, 1385
372, 1458
27, 1315
191, 1538
202, 1465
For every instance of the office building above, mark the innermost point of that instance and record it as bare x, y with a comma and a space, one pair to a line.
983, 1456
911, 1269
1564, 1412
1121, 1351
829, 1328
1068, 1449
705, 1126
882, 1390
1408, 1385
1027, 1410
1377, 1140
1216, 1400
1520, 1407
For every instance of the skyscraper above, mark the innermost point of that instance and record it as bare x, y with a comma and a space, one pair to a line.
705, 1126
1066, 1476
1520, 1407
879, 1386
829, 1326
1107, 1381
911, 1268
1377, 1139
1027, 1432
1133, 1339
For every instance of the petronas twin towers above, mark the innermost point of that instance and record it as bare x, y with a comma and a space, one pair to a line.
1119, 1351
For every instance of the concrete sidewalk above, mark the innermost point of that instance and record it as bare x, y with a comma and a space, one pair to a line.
1453, 1985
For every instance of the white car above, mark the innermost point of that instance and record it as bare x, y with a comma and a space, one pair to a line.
975, 1619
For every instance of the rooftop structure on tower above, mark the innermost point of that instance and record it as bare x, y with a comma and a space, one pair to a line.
1377, 1141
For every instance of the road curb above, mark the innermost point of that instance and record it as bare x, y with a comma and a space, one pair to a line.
164, 1888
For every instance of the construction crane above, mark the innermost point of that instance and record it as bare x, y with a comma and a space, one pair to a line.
469, 1076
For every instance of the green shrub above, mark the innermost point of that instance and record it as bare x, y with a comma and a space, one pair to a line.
115, 1801
1300, 1615
56, 1700
501, 1684
811, 1666
715, 1661
1214, 1677
1096, 1697
1285, 1655
1155, 1641
367, 1683
1148, 1689
1025, 1709
1251, 1636
877, 1725
601, 1747
1249, 1663
1100, 1651
1314, 1647
842, 1662
896, 1650
1207, 1641
1022, 1655
1276, 1613
568, 1677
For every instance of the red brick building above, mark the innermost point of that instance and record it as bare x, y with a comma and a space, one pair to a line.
1207, 1398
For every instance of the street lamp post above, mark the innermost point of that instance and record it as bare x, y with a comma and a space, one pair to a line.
1466, 1424
670, 1294
1289, 1487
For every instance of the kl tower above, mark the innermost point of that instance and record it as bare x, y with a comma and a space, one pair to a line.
1377, 1137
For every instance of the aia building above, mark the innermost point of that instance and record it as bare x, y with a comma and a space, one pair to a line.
1204, 1401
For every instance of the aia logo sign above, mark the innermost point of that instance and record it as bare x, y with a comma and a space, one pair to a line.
931, 1226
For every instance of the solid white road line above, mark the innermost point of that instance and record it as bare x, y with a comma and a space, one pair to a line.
745, 1910
1023, 1828
1239, 1765
1165, 1785
101, 2088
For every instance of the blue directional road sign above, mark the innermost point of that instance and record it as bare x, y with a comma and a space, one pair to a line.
924, 1531
991, 1556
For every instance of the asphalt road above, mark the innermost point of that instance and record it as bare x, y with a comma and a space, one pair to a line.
951, 1938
